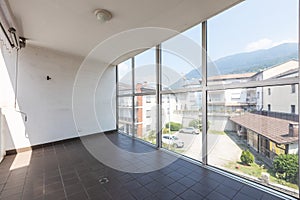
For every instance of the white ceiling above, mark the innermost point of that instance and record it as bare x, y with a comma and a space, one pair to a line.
70, 25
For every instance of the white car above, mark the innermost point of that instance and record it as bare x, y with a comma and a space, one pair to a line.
191, 130
172, 140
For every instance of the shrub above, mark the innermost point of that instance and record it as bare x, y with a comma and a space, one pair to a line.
247, 157
165, 130
173, 126
196, 123
286, 167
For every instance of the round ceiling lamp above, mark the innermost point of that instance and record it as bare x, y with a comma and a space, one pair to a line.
102, 15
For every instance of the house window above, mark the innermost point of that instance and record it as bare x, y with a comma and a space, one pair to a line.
148, 127
269, 91
293, 88
293, 109
148, 113
269, 107
148, 99
258, 94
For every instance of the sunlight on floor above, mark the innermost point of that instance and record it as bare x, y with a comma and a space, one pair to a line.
21, 160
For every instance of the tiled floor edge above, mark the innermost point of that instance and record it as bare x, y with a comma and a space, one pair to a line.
38, 146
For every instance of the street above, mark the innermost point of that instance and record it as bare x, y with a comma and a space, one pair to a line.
221, 148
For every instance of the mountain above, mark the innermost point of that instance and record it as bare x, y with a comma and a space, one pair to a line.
250, 61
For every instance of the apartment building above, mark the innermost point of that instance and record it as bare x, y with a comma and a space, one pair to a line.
276, 109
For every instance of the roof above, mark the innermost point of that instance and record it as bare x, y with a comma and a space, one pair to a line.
288, 73
272, 128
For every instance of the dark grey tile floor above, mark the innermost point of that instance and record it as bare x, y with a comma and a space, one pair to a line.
66, 170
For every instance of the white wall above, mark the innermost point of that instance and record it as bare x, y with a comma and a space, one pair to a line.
94, 98
47, 103
293, 148
105, 100
281, 98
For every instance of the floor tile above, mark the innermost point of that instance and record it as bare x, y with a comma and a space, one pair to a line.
201, 189
177, 188
251, 192
191, 195
58, 171
165, 194
226, 191
216, 196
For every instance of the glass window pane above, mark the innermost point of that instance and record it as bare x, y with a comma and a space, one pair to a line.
241, 49
125, 77
145, 72
125, 115
182, 123
145, 118
181, 60
263, 127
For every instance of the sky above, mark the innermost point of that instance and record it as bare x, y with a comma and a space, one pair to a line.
248, 26
261, 24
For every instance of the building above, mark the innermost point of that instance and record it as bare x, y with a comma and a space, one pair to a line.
267, 97
231, 100
268, 136
272, 129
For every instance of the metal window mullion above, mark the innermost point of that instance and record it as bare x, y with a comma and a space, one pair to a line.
133, 96
117, 98
204, 92
254, 84
145, 94
125, 95
158, 97
184, 90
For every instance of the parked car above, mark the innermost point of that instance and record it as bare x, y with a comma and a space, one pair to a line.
191, 130
172, 140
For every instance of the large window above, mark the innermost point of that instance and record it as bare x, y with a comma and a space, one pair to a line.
137, 107
253, 92
243, 116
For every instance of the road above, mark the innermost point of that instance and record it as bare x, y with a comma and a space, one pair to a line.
221, 148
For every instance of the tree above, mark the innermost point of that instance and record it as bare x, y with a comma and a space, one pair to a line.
247, 157
286, 167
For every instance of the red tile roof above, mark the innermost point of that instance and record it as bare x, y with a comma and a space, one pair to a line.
272, 128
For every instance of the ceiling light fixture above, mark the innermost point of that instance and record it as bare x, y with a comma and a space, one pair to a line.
102, 15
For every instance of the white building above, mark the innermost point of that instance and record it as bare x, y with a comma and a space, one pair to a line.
231, 100
273, 128
270, 98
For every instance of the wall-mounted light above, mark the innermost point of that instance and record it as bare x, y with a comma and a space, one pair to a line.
102, 15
